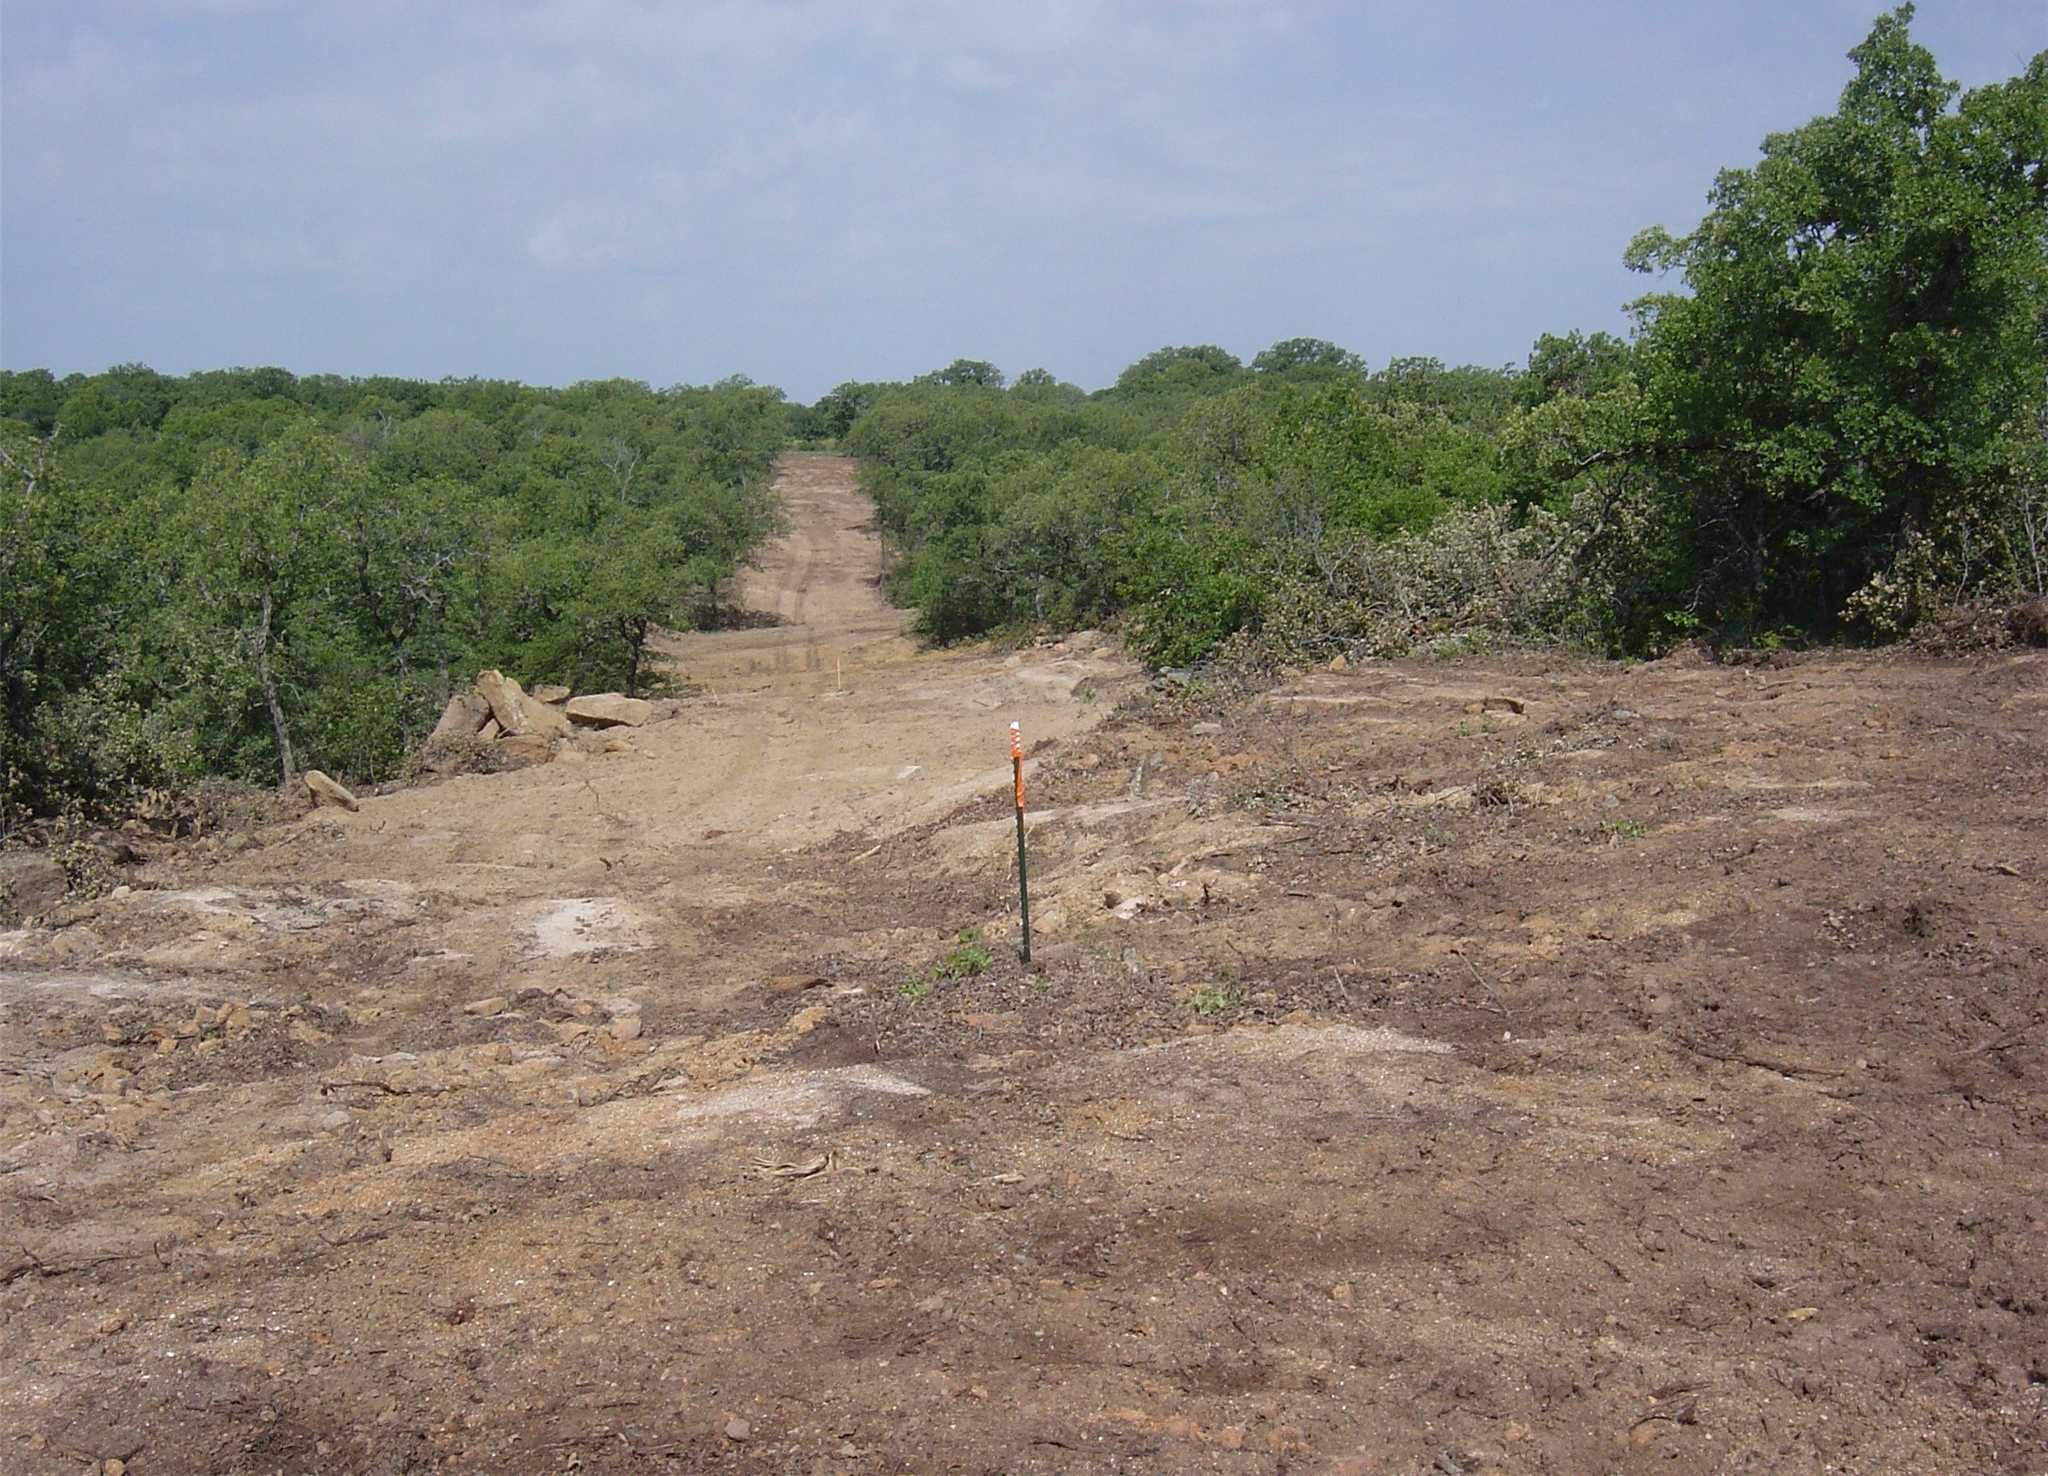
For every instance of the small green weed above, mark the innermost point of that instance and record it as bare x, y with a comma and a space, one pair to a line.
1212, 999
1626, 829
970, 958
916, 987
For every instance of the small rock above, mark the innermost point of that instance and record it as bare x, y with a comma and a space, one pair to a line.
550, 694
108, 1326
124, 890
793, 983
609, 710
1341, 1294
1206, 730
626, 1027
114, 1466
737, 1430
336, 1121
1340, 662
489, 1005
326, 791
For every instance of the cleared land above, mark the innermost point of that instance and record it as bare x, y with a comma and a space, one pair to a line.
1517, 1066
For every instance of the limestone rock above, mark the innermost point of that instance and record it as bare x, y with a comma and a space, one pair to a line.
552, 695
505, 700
523, 749
518, 714
491, 730
465, 713
609, 710
326, 791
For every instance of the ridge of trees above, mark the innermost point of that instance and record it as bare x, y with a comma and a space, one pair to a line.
1834, 421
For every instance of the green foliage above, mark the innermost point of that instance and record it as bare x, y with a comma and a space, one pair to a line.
1313, 358
1840, 423
1860, 341
968, 960
242, 573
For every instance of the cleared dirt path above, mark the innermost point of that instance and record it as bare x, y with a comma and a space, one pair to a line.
1513, 1066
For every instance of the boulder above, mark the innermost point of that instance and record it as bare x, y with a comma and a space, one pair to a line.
545, 720
609, 710
465, 713
517, 713
553, 696
326, 791
30, 884
505, 700
518, 750
491, 730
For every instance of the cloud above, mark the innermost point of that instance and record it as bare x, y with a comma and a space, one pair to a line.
679, 189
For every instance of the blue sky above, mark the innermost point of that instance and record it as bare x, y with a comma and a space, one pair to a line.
808, 191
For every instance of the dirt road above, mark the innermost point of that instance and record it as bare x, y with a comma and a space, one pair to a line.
1512, 1066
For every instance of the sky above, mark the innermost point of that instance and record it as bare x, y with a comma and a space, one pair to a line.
812, 191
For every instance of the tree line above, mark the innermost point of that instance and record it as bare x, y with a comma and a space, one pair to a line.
1830, 418
243, 573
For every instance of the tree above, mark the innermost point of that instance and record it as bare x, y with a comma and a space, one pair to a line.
269, 526
966, 373
1862, 329
839, 408
1575, 364
1201, 369
1317, 356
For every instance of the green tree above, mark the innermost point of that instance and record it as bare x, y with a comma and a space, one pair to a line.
1862, 330
966, 373
1316, 357
269, 526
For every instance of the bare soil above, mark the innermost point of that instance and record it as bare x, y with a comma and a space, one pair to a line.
1510, 1065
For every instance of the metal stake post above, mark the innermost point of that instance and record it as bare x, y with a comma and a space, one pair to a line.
1023, 873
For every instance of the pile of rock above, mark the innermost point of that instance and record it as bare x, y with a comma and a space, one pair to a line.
524, 727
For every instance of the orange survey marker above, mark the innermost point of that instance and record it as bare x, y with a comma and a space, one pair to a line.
1023, 874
